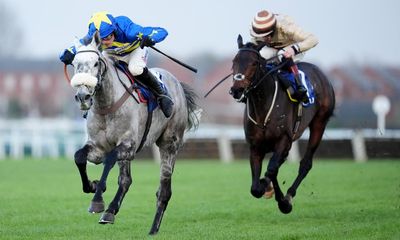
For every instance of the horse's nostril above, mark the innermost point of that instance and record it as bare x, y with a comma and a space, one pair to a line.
76, 98
87, 97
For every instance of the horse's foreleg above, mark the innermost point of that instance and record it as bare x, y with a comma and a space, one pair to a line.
274, 164
123, 153
258, 187
164, 191
80, 160
124, 182
97, 204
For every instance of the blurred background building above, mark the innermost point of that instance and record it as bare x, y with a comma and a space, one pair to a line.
32, 83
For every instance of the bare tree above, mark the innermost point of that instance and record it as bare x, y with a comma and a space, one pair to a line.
11, 33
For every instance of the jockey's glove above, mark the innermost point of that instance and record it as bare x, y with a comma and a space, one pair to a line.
146, 42
67, 57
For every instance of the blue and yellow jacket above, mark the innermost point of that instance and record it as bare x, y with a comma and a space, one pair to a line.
127, 36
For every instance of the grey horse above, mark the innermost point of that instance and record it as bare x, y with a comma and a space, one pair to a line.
116, 126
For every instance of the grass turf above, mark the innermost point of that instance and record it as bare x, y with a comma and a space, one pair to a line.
42, 199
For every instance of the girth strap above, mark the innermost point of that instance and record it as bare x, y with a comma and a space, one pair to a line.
146, 130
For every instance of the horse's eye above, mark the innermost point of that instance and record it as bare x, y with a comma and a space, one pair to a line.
96, 64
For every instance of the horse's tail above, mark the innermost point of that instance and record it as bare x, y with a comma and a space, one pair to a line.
194, 111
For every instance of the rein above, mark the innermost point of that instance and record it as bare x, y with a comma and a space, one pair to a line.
66, 74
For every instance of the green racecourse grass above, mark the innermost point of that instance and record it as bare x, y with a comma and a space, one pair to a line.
42, 199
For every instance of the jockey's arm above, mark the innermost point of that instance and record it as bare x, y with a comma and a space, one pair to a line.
303, 40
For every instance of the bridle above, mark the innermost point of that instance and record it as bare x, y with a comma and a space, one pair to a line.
260, 71
257, 80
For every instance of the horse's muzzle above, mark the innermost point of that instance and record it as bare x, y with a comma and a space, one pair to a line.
83, 98
237, 93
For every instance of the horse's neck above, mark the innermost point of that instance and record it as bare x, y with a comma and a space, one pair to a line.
264, 97
265, 91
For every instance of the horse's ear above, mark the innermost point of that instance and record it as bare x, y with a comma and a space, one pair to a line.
240, 41
97, 39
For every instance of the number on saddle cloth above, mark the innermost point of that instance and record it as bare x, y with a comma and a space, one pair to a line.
144, 93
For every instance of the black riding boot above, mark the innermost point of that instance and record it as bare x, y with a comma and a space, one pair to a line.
164, 100
301, 91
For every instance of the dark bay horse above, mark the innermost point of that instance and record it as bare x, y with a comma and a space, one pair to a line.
116, 127
272, 122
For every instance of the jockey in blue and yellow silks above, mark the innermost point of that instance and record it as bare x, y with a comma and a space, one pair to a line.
122, 38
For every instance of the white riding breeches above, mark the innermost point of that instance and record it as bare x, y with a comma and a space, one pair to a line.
137, 60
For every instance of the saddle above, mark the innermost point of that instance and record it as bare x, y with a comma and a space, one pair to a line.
145, 95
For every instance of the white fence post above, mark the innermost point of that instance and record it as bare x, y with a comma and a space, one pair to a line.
358, 145
225, 148
294, 153
156, 153
2, 149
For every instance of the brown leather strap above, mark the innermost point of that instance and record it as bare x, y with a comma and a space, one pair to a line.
117, 104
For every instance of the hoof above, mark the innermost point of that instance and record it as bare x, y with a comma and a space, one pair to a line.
257, 193
269, 191
286, 205
107, 218
96, 207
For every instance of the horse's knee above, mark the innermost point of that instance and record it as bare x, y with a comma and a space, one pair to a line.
80, 156
125, 151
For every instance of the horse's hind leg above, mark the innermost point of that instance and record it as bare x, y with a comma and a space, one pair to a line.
168, 155
317, 128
